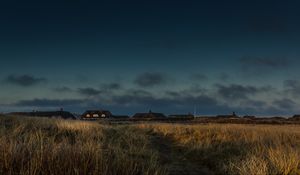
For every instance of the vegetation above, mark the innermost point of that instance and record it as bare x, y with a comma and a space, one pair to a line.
51, 146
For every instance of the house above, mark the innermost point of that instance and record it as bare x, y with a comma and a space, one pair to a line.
233, 115
182, 116
149, 115
277, 118
249, 117
50, 114
120, 117
297, 116
96, 114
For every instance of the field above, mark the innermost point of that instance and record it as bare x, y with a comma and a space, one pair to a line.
31, 146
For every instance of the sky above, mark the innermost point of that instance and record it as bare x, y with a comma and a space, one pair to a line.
212, 57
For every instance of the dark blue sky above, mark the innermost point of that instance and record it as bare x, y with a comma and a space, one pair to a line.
168, 56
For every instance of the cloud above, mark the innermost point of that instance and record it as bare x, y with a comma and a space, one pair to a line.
258, 66
24, 80
193, 90
265, 62
62, 89
199, 77
183, 101
49, 102
112, 86
172, 101
237, 92
223, 76
89, 91
151, 79
292, 87
285, 104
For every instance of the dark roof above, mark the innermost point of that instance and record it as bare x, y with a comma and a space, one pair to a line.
149, 115
58, 114
181, 116
227, 116
120, 116
296, 116
97, 112
278, 118
233, 115
249, 116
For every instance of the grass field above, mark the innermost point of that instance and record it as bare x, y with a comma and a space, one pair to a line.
32, 146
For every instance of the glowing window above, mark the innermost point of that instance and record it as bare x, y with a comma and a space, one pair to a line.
95, 115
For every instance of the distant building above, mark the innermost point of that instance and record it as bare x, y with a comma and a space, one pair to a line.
50, 114
120, 117
149, 115
96, 114
181, 116
233, 115
278, 118
249, 117
296, 116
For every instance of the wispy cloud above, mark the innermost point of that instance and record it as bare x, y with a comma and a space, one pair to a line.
151, 79
62, 89
49, 102
264, 62
292, 87
236, 91
198, 77
24, 80
285, 104
89, 91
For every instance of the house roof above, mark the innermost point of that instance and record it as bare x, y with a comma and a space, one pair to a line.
97, 112
181, 115
227, 116
149, 115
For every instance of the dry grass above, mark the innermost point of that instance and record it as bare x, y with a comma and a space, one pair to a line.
48, 146
237, 149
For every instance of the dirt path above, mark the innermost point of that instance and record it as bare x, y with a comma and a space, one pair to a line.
174, 158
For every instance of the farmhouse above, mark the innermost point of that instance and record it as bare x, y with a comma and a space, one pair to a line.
50, 114
149, 115
96, 114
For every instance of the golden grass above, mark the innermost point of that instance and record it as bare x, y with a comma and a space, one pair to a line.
48, 146
238, 149
30, 146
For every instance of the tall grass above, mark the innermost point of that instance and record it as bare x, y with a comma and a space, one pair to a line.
31, 146
237, 149
48, 146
